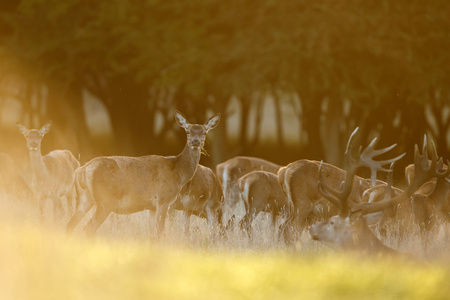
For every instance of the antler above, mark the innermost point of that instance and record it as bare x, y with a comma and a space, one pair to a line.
363, 158
369, 153
424, 171
390, 182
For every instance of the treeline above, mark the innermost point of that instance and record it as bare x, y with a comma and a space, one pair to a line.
380, 65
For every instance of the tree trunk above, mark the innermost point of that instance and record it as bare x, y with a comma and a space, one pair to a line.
279, 120
65, 109
311, 124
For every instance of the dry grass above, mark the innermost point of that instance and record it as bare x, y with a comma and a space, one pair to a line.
38, 261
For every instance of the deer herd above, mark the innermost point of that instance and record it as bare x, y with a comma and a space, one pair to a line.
335, 206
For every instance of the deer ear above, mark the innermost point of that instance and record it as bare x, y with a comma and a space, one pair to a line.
45, 128
23, 130
355, 216
181, 120
373, 218
212, 122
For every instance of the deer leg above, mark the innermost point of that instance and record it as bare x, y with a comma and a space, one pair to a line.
171, 212
61, 208
187, 222
218, 217
284, 228
212, 217
79, 214
152, 222
161, 213
40, 199
69, 201
41, 203
230, 223
284, 232
246, 222
274, 214
213, 220
99, 217
292, 232
303, 213
55, 204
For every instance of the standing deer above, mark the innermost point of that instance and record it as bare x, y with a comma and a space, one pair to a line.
126, 185
437, 189
231, 170
350, 229
203, 197
260, 192
418, 210
52, 175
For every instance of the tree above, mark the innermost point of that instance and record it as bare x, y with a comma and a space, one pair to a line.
382, 66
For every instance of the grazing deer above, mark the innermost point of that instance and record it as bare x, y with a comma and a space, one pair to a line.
201, 196
260, 192
52, 175
299, 182
231, 170
126, 185
350, 229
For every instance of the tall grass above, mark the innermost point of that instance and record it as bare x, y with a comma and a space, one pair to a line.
39, 261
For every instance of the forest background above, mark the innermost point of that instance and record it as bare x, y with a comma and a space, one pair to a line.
291, 79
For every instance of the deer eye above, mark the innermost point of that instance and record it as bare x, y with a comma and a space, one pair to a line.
331, 222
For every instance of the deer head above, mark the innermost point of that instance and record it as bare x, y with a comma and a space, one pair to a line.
34, 136
350, 228
196, 134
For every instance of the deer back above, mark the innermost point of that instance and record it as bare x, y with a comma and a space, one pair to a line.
299, 182
202, 188
61, 165
231, 170
260, 190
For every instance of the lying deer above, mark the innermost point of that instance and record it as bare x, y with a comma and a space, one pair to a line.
52, 175
125, 185
201, 196
260, 192
350, 229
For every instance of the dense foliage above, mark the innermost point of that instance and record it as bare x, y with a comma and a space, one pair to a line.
381, 65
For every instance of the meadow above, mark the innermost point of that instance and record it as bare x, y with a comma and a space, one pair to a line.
39, 261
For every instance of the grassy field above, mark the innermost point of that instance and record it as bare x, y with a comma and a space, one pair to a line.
39, 261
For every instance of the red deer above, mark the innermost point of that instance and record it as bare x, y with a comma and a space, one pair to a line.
126, 185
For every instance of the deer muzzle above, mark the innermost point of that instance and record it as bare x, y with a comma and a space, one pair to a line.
313, 233
196, 144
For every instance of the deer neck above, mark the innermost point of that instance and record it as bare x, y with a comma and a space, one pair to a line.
37, 165
187, 162
371, 244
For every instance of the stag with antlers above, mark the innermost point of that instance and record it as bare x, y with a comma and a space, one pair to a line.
349, 229
418, 212
299, 182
